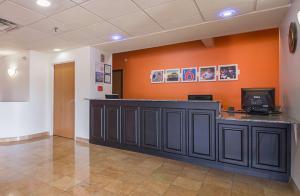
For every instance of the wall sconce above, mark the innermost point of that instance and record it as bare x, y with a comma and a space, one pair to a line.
12, 72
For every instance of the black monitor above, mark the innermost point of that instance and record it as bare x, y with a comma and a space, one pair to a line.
200, 97
112, 96
258, 100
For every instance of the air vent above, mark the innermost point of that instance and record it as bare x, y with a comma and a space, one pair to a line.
6, 25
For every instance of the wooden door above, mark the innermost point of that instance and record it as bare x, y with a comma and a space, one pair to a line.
118, 82
64, 95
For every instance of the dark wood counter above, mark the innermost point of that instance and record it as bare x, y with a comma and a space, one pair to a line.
193, 131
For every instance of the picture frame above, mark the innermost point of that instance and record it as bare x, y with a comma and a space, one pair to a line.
99, 77
107, 78
157, 76
208, 74
228, 72
189, 74
172, 75
107, 69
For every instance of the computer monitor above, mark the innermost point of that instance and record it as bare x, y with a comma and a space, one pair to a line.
200, 97
258, 99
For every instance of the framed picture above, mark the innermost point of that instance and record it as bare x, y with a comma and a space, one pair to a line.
99, 77
228, 72
157, 76
208, 74
189, 74
172, 75
107, 69
107, 78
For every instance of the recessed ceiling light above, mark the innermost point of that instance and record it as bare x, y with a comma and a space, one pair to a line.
43, 3
57, 49
298, 15
227, 13
116, 37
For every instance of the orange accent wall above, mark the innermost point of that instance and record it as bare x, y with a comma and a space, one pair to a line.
256, 53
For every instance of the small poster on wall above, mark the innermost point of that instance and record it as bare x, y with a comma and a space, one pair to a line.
99, 77
228, 72
172, 75
157, 76
99, 72
107, 69
189, 74
208, 74
107, 78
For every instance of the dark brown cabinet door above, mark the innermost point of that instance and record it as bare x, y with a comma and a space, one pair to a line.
97, 123
233, 144
269, 148
202, 134
130, 126
151, 128
112, 124
174, 133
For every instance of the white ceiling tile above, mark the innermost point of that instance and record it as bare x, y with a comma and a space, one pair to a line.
18, 14
102, 29
175, 12
77, 17
48, 44
56, 6
211, 9
267, 4
48, 25
136, 23
76, 36
79, 1
182, 23
26, 35
151, 3
110, 8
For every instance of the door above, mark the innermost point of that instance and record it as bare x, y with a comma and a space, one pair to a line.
202, 134
174, 131
269, 148
118, 82
64, 95
151, 128
112, 124
96, 123
233, 144
130, 126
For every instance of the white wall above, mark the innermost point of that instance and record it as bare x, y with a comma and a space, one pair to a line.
84, 83
26, 118
290, 84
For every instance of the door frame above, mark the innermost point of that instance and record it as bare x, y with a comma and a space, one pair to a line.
52, 94
122, 79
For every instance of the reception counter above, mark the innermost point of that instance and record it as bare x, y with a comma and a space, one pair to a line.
195, 132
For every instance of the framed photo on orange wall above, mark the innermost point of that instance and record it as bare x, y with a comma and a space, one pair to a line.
208, 74
228, 72
172, 75
189, 74
157, 76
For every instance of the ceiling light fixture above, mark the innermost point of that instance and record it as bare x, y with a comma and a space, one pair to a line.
57, 49
43, 3
116, 37
298, 16
12, 72
226, 13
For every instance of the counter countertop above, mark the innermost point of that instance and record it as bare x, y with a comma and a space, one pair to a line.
273, 118
149, 100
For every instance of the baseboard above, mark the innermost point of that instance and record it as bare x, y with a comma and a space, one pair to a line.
22, 138
82, 140
295, 188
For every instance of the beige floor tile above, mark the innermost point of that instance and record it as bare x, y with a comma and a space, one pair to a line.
58, 166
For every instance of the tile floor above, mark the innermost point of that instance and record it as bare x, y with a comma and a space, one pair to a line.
57, 166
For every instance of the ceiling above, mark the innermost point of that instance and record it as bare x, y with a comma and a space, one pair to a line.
142, 23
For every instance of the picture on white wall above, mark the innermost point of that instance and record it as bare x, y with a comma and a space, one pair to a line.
208, 74
228, 72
